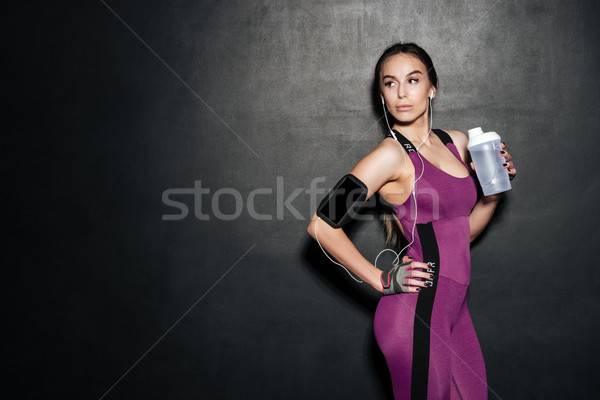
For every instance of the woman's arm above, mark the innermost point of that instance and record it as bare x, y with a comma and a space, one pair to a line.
485, 207
482, 213
374, 170
337, 243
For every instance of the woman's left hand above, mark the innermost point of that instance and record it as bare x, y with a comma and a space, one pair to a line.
508, 165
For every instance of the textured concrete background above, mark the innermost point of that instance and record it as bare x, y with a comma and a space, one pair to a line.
112, 104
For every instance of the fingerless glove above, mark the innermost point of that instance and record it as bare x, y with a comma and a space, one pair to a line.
393, 279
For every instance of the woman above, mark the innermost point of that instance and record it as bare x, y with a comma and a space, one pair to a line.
425, 331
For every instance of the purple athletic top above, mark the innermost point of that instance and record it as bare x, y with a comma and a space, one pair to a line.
427, 337
445, 201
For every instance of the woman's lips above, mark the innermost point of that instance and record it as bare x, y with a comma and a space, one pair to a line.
404, 107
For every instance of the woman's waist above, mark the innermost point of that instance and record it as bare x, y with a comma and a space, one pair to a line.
442, 223
452, 263
446, 244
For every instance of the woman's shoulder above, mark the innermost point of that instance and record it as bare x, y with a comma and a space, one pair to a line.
459, 138
387, 150
389, 144
380, 165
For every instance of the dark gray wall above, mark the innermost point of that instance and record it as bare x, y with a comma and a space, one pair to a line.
108, 108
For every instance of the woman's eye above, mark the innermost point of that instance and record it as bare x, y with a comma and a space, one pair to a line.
388, 83
413, 80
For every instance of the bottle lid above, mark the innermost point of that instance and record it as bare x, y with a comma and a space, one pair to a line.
474, 132
477, 136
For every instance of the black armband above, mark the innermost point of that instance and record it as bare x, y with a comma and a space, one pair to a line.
342, 202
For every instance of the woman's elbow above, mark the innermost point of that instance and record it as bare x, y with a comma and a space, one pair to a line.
311, 229
475, 234
311, 225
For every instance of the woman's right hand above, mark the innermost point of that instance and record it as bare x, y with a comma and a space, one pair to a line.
409, 277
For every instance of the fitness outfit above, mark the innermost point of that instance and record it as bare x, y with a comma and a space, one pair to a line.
427, 338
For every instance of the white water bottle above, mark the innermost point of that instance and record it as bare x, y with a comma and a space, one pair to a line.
485, 151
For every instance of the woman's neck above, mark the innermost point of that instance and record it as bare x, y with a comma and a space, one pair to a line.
417, 131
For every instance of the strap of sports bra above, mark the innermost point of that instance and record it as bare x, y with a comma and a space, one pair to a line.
409, 147
406, 144
444, 137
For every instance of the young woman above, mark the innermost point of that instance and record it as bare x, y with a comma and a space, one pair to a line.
424, 330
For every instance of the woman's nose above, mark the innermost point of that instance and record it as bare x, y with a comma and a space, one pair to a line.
402, 91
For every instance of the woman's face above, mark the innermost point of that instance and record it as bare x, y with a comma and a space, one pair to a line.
405, 86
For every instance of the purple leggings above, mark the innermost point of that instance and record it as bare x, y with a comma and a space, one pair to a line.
455, 369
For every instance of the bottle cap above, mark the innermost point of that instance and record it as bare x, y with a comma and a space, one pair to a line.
474, 132
477, 136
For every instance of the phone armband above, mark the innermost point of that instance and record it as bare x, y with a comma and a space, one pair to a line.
343, 201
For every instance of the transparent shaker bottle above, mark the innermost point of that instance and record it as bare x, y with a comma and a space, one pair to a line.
485, 151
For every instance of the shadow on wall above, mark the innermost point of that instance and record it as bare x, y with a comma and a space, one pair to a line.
360, 297
364, 299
